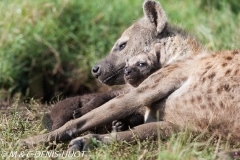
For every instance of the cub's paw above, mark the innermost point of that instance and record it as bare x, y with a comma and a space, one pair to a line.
119, 126
77, 113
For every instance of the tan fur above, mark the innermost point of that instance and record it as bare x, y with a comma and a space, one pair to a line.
194, 88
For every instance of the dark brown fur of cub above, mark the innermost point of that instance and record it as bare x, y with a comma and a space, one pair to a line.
75, 107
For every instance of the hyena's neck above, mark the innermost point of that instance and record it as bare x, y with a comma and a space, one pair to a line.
180, 47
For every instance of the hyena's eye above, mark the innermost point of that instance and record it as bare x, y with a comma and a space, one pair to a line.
122, 46
142, 64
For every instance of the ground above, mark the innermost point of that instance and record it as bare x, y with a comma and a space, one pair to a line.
23, 119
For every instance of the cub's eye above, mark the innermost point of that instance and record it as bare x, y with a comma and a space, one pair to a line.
141, 64
122, 45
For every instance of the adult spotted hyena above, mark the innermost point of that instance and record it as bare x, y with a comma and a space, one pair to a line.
194, 88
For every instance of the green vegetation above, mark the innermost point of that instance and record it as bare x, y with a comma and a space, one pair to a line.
49, 47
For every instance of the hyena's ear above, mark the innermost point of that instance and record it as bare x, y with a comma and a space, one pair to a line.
154, 12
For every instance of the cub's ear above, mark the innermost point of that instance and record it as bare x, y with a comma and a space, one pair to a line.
154, 12
160, 53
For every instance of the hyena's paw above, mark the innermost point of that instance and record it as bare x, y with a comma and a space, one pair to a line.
26, 143
76, 144
31, 142
84, 143
119, 126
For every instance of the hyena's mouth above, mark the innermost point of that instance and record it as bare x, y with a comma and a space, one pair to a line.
113, 75
131, 81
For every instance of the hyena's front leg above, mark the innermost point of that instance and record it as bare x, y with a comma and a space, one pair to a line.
152, 130
100, 116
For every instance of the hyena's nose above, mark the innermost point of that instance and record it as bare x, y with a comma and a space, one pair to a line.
127, 71
96, 70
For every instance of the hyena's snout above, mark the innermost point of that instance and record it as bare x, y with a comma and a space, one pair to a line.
96, 70
127, 71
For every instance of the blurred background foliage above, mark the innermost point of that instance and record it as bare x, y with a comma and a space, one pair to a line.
48, 47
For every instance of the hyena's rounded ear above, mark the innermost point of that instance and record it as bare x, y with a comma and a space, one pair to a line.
154, 12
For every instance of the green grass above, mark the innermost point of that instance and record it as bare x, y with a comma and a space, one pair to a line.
57, 42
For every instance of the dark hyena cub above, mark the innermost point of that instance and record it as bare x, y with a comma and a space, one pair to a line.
75, 107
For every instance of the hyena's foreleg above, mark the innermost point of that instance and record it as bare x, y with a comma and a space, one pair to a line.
142, 132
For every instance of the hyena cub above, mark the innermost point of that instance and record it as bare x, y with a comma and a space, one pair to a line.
75, 107
137, 69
